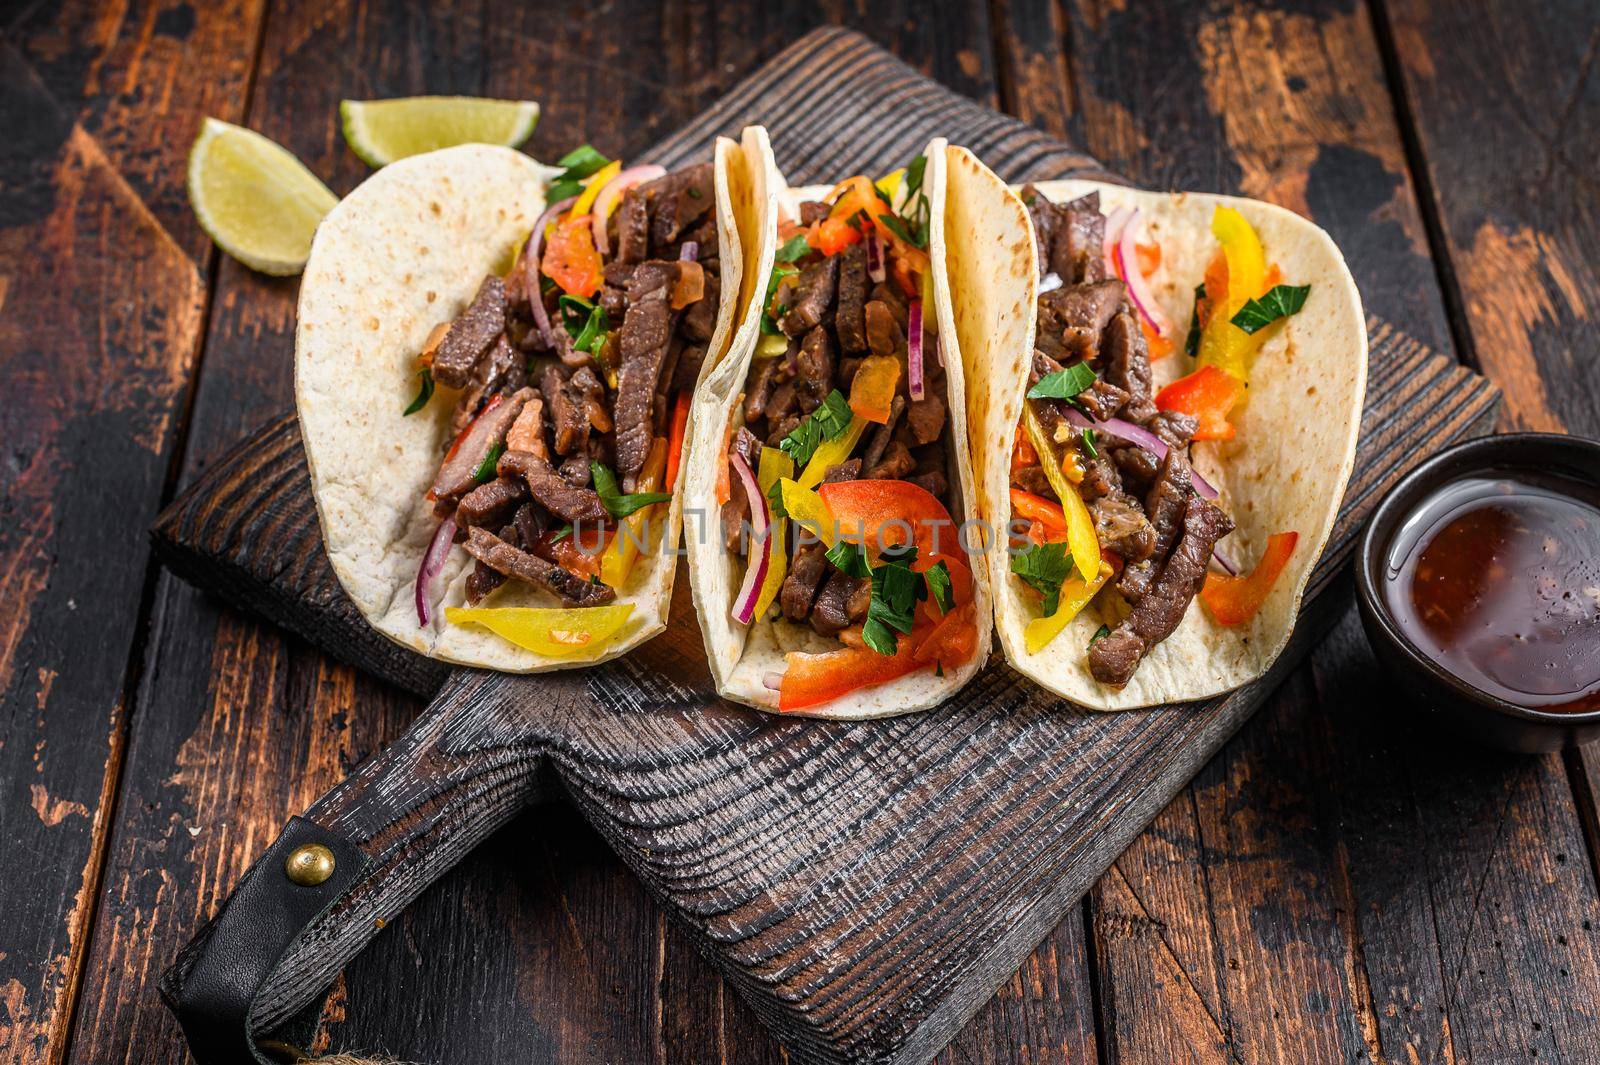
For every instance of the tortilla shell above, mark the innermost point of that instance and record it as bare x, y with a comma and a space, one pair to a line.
742, 656
407, 250
1285, 470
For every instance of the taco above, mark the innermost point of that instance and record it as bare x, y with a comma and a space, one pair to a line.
828, 470
494, 368
1166, 393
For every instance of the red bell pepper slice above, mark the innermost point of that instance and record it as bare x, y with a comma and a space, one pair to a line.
1050, 518
1207, 395
680, 422
1235, 600
952, 641
812, 679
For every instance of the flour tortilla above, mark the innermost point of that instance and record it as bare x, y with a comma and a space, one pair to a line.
403, 252
741, 656
1286, 469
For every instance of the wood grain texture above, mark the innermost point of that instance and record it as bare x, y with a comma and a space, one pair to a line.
773, 876
100, 313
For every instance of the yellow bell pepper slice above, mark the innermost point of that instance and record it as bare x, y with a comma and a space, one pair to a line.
1081, 540
1223, 344
889, 184
585, 631
1075, 595
775, 466
832, 452
592, 188
622, 551
806, 509
770, 346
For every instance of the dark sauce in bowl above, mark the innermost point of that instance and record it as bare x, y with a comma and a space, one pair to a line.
1496, 577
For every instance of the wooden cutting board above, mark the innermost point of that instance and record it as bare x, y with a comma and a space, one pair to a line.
864, 886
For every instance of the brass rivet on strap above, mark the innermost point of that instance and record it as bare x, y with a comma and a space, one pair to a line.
309, 865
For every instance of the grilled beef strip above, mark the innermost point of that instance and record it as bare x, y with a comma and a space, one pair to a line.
491, 504
677, 201
807, 297
551, 490
456, 473
1139, 466
1166, 500
1126, 358
848, 470
807, 573
502, 557
646, 332
1072, 318
1077, 254
850, 317
471, 334
1160, 609
1044, 216
830, 613
814, 370
633, 226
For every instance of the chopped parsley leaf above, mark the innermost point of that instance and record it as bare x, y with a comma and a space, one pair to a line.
584, 321
1279, 302
618, 504
829, 421
424, 391
1063, 384
938, 579
850, 558
1043, 567
794, 249
485, 469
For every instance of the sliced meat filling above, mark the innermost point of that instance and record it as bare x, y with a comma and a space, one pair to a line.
1160, 609
521, 565
646, 332
471, 334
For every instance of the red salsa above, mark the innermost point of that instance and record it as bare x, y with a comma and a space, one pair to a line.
1497, 578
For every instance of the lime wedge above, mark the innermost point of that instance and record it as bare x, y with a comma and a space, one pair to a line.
381, 131
254, 198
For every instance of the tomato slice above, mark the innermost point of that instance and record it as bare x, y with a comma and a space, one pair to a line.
571, 260
1235, 600
885, 514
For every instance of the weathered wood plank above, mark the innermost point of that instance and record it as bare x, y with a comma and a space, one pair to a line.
1505, 102
101, 309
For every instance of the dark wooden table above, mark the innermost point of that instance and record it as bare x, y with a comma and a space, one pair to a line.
1333, 887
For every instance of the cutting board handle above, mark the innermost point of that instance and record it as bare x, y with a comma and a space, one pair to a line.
350, 863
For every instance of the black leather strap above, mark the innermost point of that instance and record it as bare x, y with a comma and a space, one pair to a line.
215, 987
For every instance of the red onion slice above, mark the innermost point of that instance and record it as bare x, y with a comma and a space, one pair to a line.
1222, 562
611, 192
1049, 283
1126, 258
875, 269
772, 681
432, 563
529, 266
914, 349
755, 573
1138, 436
1114, 224
690, 252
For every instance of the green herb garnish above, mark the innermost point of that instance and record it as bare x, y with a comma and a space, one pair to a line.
577, 164
938, 578
896, 590
775, 500
1043, 567
1088, 444
486, 468
618, 504
1191, 343
850, 558
769, 315
829, 421
561, 534
424, 391
1280, 302
585, 322
1099, 634
794, 249
1063, 384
